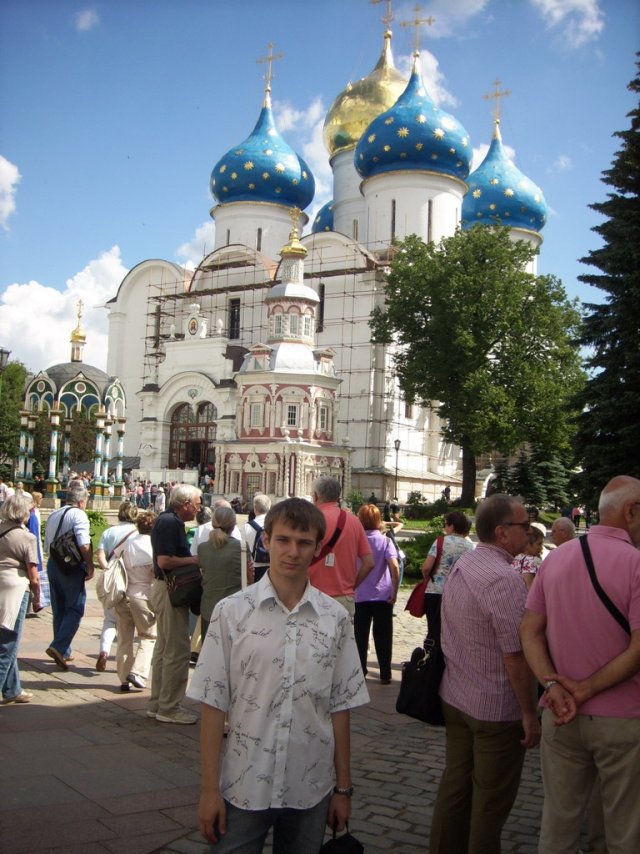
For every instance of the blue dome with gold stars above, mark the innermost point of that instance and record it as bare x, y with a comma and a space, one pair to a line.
500, 194
263, 168
324, 219
414, 134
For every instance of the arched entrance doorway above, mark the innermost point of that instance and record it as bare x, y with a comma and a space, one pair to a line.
192, 437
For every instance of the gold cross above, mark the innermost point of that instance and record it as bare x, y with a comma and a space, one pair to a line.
270, 58
416, 23
496, 96
388, 18
79, 312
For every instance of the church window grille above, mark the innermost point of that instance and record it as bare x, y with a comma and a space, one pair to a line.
393, 219
323, 418
228, 236
259, 240
307, 326
430, 221
292, 415
408, 410
234, 318
355, 229
293, 324
257, 414
277, 324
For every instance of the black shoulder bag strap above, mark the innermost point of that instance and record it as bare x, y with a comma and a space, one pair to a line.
55, 536
611, 608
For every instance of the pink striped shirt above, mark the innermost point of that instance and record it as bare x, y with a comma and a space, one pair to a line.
482, 606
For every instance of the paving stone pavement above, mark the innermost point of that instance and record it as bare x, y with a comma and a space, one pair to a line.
84, 770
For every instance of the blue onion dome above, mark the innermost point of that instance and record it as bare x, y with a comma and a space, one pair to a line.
500, 193
414, 134
263, 168
324, 219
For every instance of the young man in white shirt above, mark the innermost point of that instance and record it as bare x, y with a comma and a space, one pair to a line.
280, 661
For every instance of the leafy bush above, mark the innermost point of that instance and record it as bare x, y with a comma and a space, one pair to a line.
97, 524
416, 551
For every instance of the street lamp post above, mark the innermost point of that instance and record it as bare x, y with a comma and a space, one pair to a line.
4, 361
396, 445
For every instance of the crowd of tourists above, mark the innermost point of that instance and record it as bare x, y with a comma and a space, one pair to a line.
541, 644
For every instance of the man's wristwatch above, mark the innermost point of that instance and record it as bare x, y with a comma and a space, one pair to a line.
348, 791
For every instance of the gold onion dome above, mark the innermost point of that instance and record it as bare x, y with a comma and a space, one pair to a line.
78, 335
356, 106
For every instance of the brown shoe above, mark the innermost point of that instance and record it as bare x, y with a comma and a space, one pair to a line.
57, 657
101, 663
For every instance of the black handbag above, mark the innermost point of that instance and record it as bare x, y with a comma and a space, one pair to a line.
184, 586
419, 695
64, 549
345, 844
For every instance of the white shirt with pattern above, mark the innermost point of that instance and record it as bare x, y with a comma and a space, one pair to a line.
279, 675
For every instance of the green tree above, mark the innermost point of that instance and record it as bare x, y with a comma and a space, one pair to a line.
607, 438
553, 473
524, 479
11, 391
489, 342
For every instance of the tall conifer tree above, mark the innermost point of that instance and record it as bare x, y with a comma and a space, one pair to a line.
609, 425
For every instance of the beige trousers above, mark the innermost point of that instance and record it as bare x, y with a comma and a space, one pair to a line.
170, 663
134, 615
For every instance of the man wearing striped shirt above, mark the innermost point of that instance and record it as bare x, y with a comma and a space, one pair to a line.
488, 691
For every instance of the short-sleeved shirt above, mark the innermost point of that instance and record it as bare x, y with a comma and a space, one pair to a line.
168, 538
338, 579
378, 584
482, 607
279, 675
138, 561
581, 634
221, 573
74, 519
114, 536
452, 548
17, 553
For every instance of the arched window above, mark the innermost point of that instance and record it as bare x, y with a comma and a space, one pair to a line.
192, 437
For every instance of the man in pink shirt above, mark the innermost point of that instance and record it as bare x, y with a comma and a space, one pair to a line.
346, 559
488, 690
573, 643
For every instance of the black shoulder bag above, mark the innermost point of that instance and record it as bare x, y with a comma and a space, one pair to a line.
611, 608
64, 549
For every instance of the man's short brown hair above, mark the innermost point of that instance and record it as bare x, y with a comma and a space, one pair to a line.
299, 514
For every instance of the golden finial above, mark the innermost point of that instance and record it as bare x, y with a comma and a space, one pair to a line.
496, 95
269, 59
389, 16
78, 336
416, 23
294, 247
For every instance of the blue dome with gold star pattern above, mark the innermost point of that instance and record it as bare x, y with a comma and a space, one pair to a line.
324, 218
263, 168
500, 194
414, 134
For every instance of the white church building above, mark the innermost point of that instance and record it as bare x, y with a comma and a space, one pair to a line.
258, 366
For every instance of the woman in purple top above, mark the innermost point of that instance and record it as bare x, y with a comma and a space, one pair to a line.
376, 595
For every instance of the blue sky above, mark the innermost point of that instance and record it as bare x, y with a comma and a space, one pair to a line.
114, 112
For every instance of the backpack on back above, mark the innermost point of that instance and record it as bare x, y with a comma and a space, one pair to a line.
259, 553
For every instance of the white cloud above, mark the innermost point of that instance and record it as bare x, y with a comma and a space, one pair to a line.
480, 153
36, 320
303, 131
9, 180
562, 163
579, 21
434, 79
449, 16
86, 20
193, 251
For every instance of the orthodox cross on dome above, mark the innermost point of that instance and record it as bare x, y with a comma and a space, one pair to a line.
389, 16
496, 95
269, 59
78, 338
417, 21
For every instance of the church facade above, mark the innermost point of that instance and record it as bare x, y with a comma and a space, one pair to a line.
258, 367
